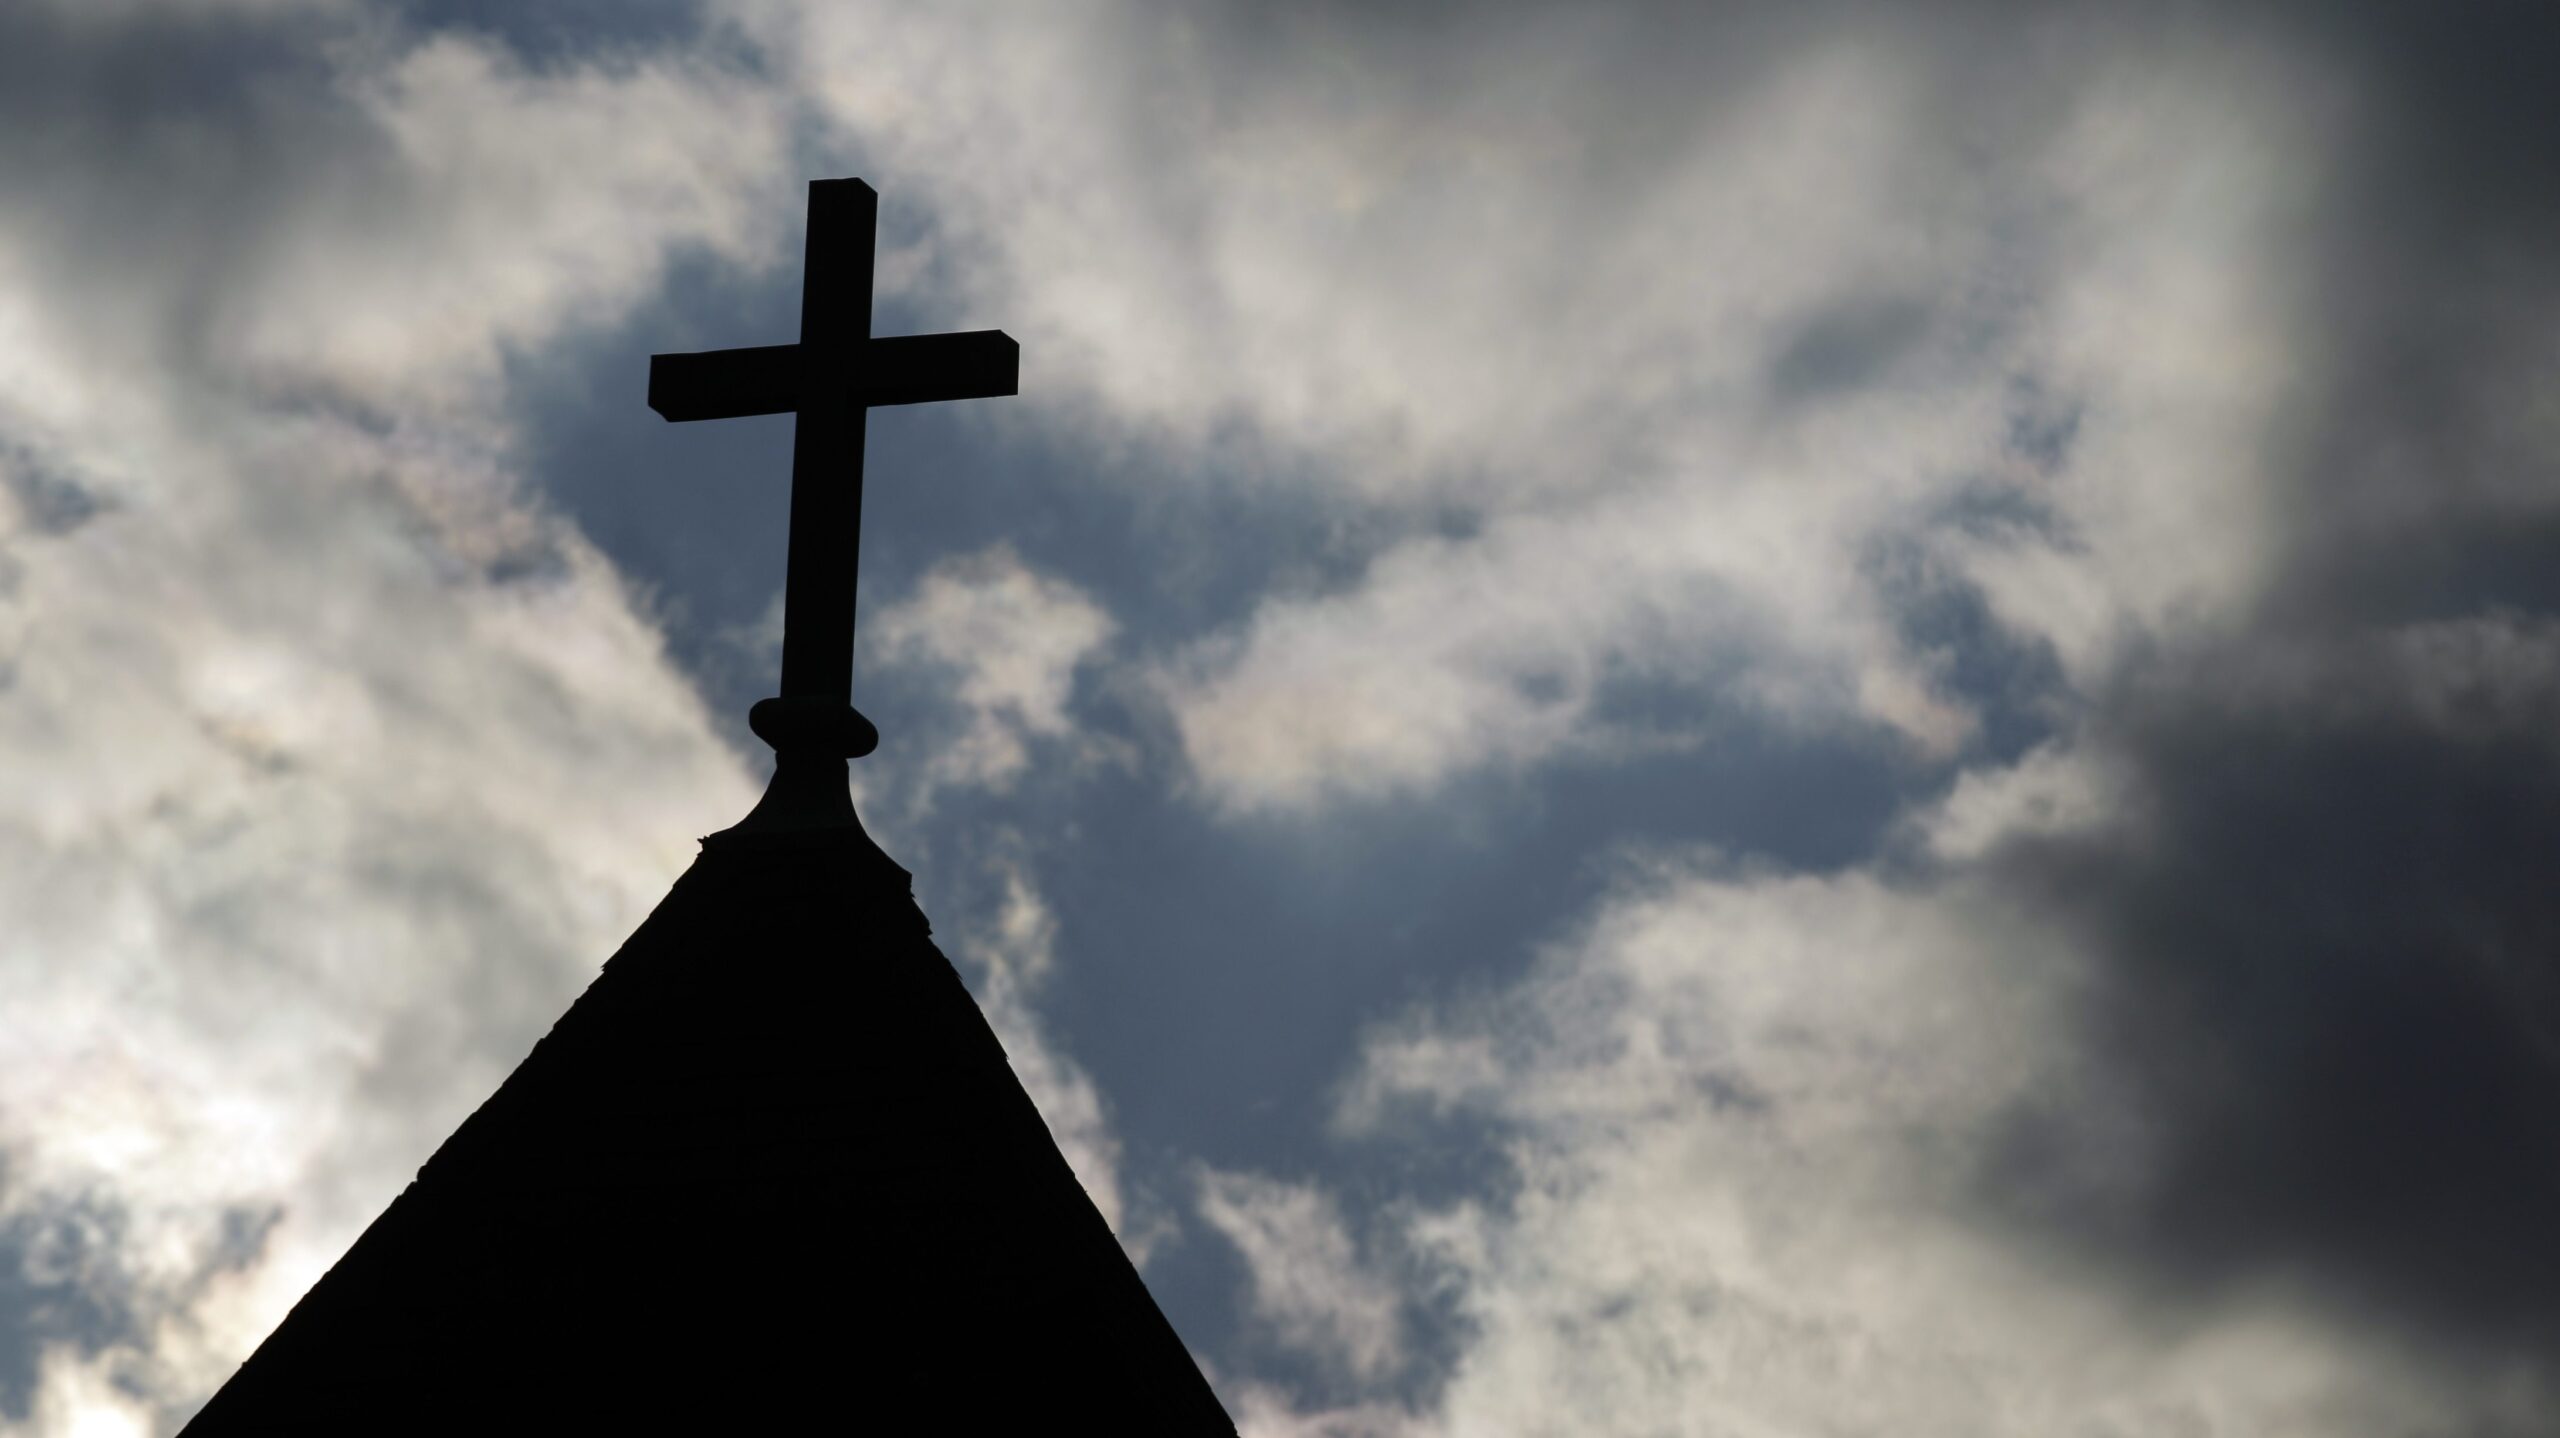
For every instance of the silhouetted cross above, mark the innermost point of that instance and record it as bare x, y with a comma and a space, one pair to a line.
830, 379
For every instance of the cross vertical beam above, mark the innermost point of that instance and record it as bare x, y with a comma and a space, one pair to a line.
823, 556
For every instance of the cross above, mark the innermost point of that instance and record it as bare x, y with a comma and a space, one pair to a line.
829, 381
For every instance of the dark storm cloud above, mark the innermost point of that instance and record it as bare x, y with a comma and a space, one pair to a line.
2332, 934
2332, 947
156, 157
2426, 474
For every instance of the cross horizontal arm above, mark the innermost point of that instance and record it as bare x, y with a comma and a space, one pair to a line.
919, 369
726, 384
767, 379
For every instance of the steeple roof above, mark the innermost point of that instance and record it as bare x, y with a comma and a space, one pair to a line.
771, 1172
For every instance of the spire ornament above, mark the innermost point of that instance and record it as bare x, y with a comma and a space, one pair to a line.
829, 381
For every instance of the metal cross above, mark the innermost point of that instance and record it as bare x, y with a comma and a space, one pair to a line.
829, 380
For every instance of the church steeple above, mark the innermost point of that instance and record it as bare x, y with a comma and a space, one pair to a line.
772, 1172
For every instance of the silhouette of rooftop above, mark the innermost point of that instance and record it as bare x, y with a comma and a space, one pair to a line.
771, 1169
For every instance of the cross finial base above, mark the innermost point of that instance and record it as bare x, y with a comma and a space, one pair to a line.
811, 738
791, 722
808, 791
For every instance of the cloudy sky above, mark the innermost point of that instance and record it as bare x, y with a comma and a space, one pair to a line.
1818, 719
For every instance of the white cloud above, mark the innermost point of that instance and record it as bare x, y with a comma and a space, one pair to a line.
336, 765
1264, 1412
79, 1401
1306, 1281
1452, 654
1011, 640
2053, 789
1748, 1116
